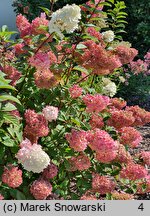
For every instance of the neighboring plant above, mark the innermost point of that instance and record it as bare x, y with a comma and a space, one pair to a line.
76, 138
138, 29
136, 86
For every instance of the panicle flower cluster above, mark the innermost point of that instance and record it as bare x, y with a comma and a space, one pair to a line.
32, 157
12, 73
50, 113
39, 22
106, 156
45, 79
59, 21
98, 59
12, 176
138, 66
120, 118
36, 125
23, 25
125, 54
109, 87
117, 103
103, 144
50, 171
81, 162
145, 156
77, 139
40, 61
102, 184
108, 36
18, 49
96, 121
75, 91
133, 172
130, 136
122, 195
91, 31
143, 182
100, 140
41, 189
95, 103
123, 156
141, 116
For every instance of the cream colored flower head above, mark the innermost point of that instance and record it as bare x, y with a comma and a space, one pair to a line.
109, 87
65, 19
108, 36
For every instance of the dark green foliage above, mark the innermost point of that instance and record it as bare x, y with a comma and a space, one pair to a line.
138, 29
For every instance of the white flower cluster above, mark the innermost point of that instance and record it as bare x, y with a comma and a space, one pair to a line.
108, 36
50, 113
109, 87
32, 157
65, 19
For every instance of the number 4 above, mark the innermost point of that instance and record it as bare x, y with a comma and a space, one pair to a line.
141, 207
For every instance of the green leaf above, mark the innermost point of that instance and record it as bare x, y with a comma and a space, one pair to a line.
81, 46
46, 10
18, 195
9, 97
9, 107
9, 142
81, 69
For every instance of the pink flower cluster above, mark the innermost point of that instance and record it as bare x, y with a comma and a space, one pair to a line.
36, 27
138, 66
117, 103
125, 54
95, 103
45, 79
75, 91
39, 22
133, 172
121, 195
145, 156
102, 184
50, 172
12, 73
50, 113
98, 59
141, 116
101, 142
36, 126
23, 25
81, 162
120, 118
77, 139
123, 156
130, 136
146, 183
96, 121
40, 60
41, 189
12, 176
91, 31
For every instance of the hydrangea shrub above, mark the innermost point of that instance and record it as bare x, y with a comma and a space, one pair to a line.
73, 139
